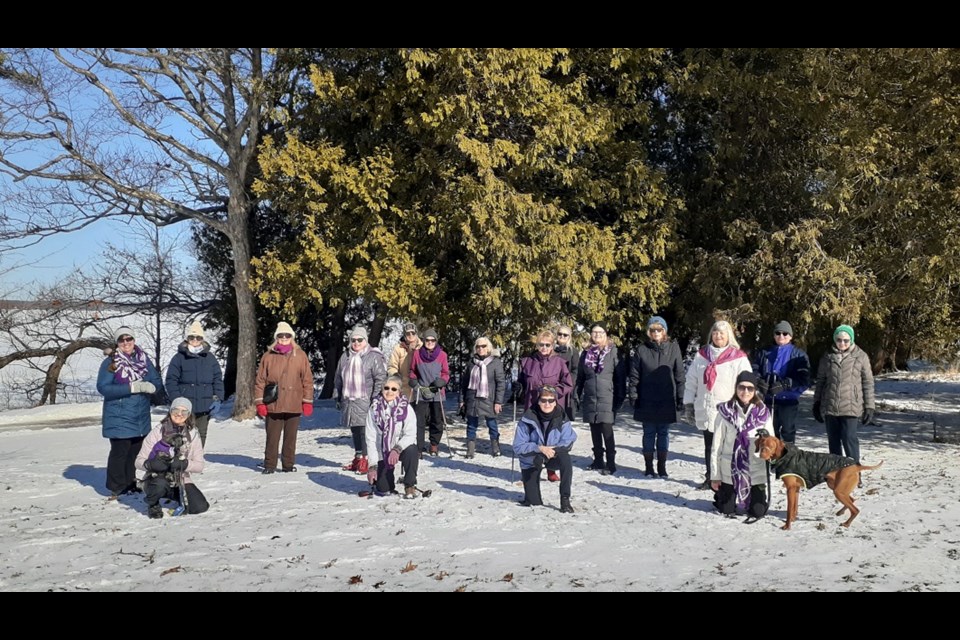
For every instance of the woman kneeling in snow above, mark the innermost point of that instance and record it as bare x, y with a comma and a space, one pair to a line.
170, 453
391, 434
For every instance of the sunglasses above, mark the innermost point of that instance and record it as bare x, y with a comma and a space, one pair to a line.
654, 330
430, 340
195, 338
357, 339
746, 387
284, 336
483, 346
391, 388
780, 333
564, 335
545, 345
843, 340
179, 412
409, 333
547, 401
125, 339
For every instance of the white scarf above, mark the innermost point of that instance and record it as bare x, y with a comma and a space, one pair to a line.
478, 377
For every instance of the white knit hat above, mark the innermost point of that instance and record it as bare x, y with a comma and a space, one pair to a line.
194, 330
123, 331
283, 327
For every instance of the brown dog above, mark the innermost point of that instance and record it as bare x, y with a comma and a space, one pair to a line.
807, 469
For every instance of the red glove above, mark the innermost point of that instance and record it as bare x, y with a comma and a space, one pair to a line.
262, 410
393, 458
308, 409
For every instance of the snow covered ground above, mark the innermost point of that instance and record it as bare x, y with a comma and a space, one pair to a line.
310, 531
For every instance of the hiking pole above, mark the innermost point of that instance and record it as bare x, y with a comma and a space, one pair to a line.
443, 413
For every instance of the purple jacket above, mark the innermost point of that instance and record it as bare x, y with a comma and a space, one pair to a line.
535, 371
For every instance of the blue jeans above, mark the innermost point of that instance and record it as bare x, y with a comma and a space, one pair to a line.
474, 421
656, 432
842, 432
785, 422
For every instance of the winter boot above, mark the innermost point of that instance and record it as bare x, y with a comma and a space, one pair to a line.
289, 469
662, 464
565, 505
409, 493
648, 459
155, 511
362, 466
531, 487
471, 448
353, 463
597, 464
611, 468
434, 450
495, 448
267, 472
553, 476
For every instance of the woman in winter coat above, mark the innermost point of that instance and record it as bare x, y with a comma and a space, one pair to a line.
544, 367
402, 356
170, 453
711, 380
785, 368
391, 434
544, 438
126, 381
736, 475
194, 373
656, 384
483, 386
844, 393
567, 350
429, 374
288, 367
600, 390
360, 374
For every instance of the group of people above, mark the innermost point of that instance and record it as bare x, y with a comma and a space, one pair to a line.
391, 405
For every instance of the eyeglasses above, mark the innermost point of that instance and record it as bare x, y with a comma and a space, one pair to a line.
123, 339
545, 345
655, 330
284, 336
780, 333
597, 332
195, 338
357, 339
843, 340
429, 339
746, 387
547, 401
563, 335
179, 412
391, 388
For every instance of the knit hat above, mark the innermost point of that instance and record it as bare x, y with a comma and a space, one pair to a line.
359, 332
429, 333
283, 327
749, 377
123, 331
181, 403
601, 325
783, 327
657, 320
409, 327
847, 329
194, 330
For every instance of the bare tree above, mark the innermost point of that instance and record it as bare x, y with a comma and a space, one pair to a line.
164, 134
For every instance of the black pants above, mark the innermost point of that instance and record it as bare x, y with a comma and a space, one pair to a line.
531, 477
409, 463
359, 440
725, 500
429, 414
121, 472
602, 435
156, 488
201, 420
707, 447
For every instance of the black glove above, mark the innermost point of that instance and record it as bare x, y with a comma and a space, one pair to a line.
763, 387
785, 384
433, 387
816, 412
339, 406
439, 383
180, 464
867, 417
157, 464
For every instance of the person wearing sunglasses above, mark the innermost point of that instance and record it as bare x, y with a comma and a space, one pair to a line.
711, 380
738, 477
656, 390
844, 393
429, 375
402, 356
360, 375
173, 450
194, 373
601, 388
543, 438
784, 369
483, 385
566, 349
286, 366
391, 434
127, 379
544, 367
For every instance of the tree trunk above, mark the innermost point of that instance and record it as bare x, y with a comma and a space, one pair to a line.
379, 321
246, 312
52, 380
230, 372
332, 356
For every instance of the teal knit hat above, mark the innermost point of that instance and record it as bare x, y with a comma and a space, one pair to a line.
847, 329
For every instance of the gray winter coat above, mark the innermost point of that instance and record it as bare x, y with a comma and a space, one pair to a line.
483, 407
845, 383
601, 394
353, 413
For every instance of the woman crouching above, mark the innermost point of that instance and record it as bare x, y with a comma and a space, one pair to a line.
391, 434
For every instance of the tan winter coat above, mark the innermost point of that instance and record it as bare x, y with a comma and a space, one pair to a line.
292, 372
399, 365
845, 383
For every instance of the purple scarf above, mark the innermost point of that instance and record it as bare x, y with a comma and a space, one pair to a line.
428, 356
710, 373
757, 415
595, 356
168, 434
129, 368
283, 348
386, 415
